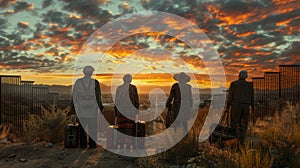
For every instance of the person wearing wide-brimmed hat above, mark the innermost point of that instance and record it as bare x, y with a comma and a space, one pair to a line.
180, 100
240, 99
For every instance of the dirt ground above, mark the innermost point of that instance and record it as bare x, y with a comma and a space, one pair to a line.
18, 155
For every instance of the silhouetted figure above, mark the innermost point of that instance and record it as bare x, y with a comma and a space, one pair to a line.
180, 100
126, 101
240, 99
87, 100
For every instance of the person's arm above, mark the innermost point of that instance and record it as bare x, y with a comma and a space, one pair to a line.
133, 95
136, 98
172, 95
74, 97
117, 102
98, 95
75, 92
229, 98
191, 97
252, 97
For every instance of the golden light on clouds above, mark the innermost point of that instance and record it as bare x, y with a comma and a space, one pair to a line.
41, 42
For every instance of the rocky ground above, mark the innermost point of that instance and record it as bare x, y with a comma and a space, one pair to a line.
45, 155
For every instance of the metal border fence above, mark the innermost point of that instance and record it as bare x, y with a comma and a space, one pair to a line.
276, 88
290, 82
9, 94
20, 98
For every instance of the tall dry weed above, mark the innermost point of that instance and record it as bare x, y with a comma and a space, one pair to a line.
255, 158
283, 135
50, 126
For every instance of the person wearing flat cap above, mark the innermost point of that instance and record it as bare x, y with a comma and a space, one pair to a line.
180, 101
240, 99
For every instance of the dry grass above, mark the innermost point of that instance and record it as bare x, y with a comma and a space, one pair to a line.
50, 126
276, 144
4, 131
181, 152
152, 161
255, 158
188, 146
282, 134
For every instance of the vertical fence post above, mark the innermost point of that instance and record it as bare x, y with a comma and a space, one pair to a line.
1, 103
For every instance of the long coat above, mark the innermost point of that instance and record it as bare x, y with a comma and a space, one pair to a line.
180, 100
82, 86
127, 100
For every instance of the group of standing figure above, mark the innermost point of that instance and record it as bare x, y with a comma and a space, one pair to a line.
87, 103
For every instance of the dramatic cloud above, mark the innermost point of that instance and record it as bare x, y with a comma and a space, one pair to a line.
5, 3
89, 9
47, 35
47, 3
23, 24
22, 5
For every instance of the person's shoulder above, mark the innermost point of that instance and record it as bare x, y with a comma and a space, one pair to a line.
250, 83
96, 81
175, 84
132, 86
78, 80
119, 87
235, 82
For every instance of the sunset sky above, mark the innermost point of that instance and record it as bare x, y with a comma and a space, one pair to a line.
42, 39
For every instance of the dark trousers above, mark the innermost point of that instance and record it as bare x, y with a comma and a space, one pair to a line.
91, 126
239, 120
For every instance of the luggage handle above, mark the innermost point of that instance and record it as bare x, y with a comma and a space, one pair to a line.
224, 119
224, 122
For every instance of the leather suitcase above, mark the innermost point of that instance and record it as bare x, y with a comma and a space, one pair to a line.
222, 131
140, 131
111, 140
127, 129
72, 136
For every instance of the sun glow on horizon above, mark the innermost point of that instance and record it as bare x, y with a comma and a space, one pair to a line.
143, 81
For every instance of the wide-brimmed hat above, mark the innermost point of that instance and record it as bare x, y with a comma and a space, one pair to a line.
182, 77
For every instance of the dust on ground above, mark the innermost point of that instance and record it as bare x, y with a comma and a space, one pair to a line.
16, 155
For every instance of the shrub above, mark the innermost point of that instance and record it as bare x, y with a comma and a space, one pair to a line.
181, 152
283, 135
50, 126
157, 160
258, 158
188, 146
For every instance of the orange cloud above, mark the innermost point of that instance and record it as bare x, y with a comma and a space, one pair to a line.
23, 24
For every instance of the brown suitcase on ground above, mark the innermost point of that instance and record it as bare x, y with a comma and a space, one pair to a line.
140, 131
72, 136
111, 140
